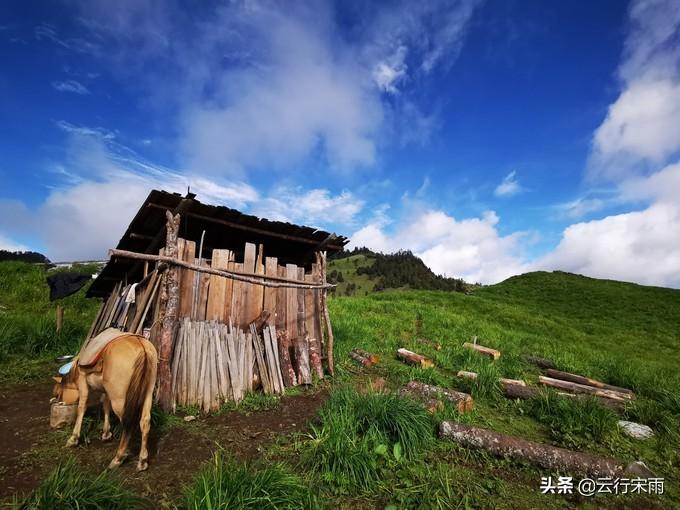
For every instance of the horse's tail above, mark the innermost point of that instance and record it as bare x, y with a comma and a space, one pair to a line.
136, 392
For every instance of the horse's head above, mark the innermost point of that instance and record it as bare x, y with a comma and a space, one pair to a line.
65, 388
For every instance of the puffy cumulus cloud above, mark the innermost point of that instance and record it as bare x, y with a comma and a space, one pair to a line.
640, 129
470, 248
642, 247
509, 186
313, 207
105, 183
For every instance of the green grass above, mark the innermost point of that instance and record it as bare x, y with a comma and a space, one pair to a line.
28, 337
348, 267
67, 487
360, 435
226, 484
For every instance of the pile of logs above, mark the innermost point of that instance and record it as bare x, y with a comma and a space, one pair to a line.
364, 358
214, 363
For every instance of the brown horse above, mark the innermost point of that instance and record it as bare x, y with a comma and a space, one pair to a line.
126, 373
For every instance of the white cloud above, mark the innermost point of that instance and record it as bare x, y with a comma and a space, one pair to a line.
70, 86
580, 207
641, 247
640, 130
509, 186
10, 245
387, 73
470, 248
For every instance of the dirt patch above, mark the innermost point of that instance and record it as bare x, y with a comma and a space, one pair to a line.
29, 448
24, 420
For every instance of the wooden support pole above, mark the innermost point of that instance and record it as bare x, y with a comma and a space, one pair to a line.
543, 455
257, 279
170, 316
321, 260
60, 317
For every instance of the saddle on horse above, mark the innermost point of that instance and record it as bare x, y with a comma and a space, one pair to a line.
92, 351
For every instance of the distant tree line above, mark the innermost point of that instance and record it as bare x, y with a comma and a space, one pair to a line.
23, 256
404, 269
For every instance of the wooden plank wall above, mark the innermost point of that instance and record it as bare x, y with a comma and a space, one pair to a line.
223, 300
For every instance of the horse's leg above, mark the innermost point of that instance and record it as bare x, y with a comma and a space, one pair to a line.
106, 403
122, 452
82, 406
145, 426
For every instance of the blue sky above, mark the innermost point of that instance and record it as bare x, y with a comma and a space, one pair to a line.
489, 137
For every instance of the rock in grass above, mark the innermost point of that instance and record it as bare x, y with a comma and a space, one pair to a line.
635, 430
189, 418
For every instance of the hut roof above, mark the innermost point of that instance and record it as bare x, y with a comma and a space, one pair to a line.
224, 228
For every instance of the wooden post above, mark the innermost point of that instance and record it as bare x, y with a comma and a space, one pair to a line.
170, 316
321, 260
60, 317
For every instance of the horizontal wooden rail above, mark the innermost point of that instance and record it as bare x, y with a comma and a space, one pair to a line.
257, 279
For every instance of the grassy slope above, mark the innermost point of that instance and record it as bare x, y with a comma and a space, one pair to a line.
624, 334
621, 333
348, 267
27, 321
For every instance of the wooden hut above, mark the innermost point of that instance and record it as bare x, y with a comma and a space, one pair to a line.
232, 302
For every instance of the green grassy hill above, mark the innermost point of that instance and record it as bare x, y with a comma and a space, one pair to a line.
624, 334
362, 271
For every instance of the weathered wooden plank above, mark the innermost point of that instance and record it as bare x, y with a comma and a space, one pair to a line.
203, 289
187, 280
281, 293
256, 297
270, 294
218, 287
248, 305
291, 305
237, 298
318, 330
301, 317
229, 289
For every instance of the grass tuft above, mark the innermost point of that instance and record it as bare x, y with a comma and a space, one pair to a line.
67, 487
226, 484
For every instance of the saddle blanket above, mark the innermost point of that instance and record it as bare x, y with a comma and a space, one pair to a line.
91, 352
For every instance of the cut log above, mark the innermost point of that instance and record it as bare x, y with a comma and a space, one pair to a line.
487, 351
361, 359
511, 382
467, 375
304, 375
546, 456
582, 388
463, 401
514, 391
315, 355
289, 377
539, 362
413, 358
579, 379
369, 356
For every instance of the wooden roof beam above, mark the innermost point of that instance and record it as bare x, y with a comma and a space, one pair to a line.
247, 228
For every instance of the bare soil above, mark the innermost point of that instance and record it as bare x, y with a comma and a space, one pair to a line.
29, 448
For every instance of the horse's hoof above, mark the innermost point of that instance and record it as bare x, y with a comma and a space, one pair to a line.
142, 465
106, 436
72, 441
115, 463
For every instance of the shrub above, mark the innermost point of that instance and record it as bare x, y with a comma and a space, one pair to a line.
227, 484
